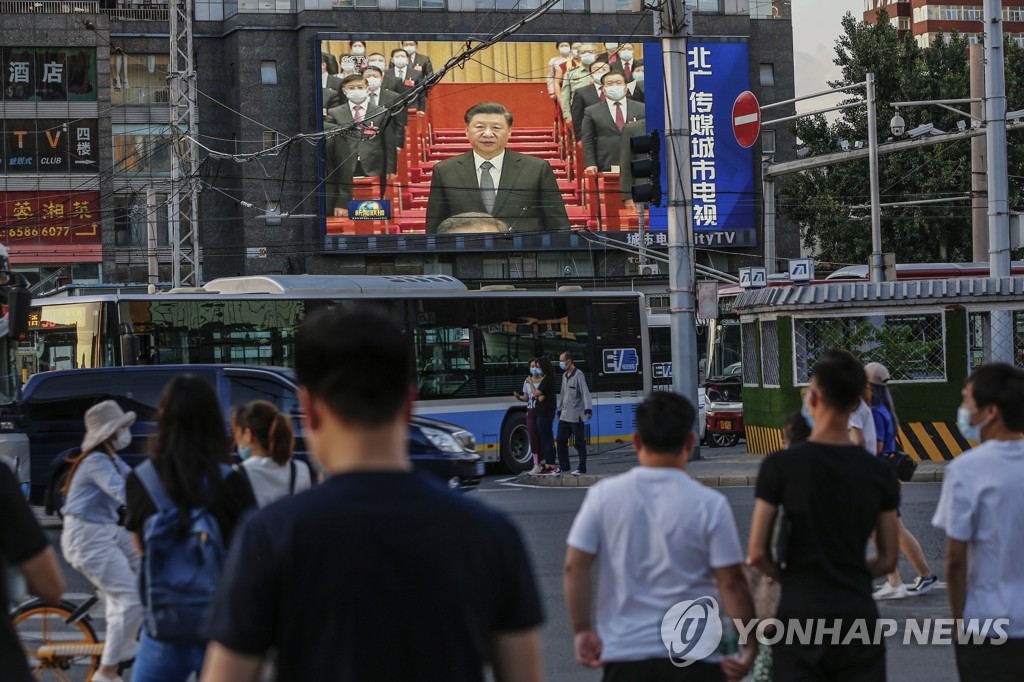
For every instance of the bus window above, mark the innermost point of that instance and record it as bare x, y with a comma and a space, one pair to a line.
62, 336
444, 361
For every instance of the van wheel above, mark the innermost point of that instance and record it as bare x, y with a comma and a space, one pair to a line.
515, 444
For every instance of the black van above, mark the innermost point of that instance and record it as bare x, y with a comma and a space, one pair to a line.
52, 406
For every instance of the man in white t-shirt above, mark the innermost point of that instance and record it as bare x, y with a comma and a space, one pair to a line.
862, 428
981, 510
658, 538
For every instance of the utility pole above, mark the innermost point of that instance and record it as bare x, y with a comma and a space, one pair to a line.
152, 267
979, 185
768, 192
998, 188
676, 24
877, 268
184, 194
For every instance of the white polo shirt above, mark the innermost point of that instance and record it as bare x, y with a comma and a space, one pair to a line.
981, 504
658, 536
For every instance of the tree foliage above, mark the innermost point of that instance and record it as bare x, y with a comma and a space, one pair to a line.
820, 200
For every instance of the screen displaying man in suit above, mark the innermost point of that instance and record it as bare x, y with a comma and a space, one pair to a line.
588, 96
382, 97
517, 189
363, 144
577, 78
418, 62
603, 124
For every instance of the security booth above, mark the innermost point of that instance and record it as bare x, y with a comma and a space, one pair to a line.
930, 334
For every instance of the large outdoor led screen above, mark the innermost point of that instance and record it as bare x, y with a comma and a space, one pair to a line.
526, 136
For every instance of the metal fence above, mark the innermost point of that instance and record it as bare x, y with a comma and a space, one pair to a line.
748, 337
47, 7
769, 353
985, 344
911, 347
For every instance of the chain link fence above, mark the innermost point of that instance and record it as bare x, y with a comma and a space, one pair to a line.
995, 336
769, 353
910, 346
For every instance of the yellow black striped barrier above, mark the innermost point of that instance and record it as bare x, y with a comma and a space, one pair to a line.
923, 441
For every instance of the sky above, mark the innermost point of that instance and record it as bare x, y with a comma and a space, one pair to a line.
815, 29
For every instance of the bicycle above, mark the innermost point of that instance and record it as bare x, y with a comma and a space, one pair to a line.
58, 638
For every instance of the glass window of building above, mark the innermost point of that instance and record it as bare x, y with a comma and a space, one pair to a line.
268, 72
767, 75
139, 79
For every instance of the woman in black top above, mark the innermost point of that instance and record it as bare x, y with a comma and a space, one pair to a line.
188, 449
546, 396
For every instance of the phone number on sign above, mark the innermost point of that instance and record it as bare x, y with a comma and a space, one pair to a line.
54, 231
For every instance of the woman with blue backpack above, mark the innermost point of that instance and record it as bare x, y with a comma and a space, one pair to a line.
93, 540
184, 503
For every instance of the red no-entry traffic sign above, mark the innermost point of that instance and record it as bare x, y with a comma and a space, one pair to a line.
746, 119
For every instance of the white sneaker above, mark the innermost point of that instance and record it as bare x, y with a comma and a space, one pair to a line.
536, 470
887, 591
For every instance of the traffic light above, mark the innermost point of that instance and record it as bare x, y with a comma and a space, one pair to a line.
648, 169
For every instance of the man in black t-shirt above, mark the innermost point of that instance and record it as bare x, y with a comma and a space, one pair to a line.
23, 545
378, 573
835, 495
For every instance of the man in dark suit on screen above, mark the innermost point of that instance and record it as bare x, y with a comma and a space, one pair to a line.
366, 145
517, 189
603, 124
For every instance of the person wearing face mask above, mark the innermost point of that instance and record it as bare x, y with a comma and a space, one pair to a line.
588, 96
635, 89
980, 509
604, 122
357, 51
529, 396
557, 66
577, 78
379, 96
367, 147
263, 435
348, 66
610, 54
417, 60
626, 63
886, 431
404, 77
94, 540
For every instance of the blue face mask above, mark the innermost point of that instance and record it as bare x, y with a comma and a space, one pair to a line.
806, 412
535, 371
245, 453
963, 422
563, 366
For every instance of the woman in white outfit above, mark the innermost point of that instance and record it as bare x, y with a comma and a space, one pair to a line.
94, 542
265, 443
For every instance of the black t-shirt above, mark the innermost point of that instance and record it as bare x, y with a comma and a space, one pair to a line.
227, 507
547, 406
375, 576
21, 539
832, 495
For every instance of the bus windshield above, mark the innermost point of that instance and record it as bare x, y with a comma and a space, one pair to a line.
65, 336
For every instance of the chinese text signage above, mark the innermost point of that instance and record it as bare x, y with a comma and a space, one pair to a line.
31, 218
49, 146
49, 74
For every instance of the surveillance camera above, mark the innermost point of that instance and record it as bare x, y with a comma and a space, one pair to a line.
897, 125
567, 270
961, 126
844, 145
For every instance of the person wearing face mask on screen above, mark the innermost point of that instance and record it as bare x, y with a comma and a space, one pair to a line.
379, 96
404, 77
94, 540
610, 54
603, 124
577, 78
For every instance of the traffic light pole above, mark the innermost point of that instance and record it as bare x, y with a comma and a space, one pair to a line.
676, 23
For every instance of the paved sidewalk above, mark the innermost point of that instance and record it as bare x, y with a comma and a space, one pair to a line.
714, 471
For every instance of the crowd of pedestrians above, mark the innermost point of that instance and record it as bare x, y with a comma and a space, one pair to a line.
378, 573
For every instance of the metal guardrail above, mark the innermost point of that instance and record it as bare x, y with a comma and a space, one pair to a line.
154, 13
48, 7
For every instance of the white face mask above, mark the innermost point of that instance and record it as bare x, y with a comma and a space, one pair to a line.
565, 51
122, 440
357, 96
638, 75
598, 76
411, 49
358, 50
401, 62
380, 65
610, 46
588, 58
374, 83
348, 66
575, 52
615, 92
627, 55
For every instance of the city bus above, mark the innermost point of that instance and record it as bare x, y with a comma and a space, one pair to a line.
472, 348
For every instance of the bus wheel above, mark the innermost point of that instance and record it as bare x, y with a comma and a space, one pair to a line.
515, 444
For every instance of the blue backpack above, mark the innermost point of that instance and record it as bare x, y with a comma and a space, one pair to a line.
180, 570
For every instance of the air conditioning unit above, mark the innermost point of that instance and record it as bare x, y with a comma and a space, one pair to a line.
650, 269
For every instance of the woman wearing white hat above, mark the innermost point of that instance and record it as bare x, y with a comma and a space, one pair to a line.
94, 541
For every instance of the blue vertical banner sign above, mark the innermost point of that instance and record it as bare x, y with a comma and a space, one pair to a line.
721, 171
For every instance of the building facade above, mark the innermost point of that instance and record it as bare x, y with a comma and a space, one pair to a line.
86, 170
925, 20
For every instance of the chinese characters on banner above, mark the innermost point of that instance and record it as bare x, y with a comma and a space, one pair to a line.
49, 146
33, 218
49, 74
702, 139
